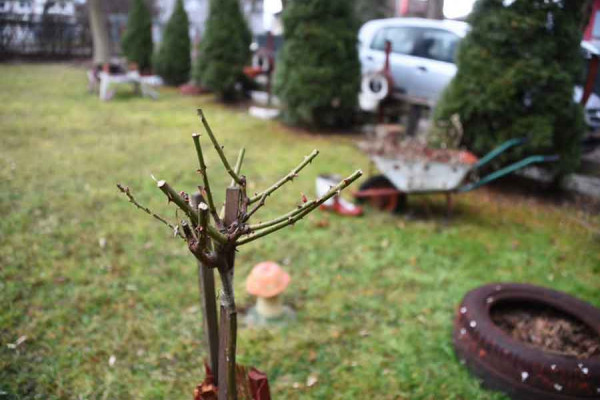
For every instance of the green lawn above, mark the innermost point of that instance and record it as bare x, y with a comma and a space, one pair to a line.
374, 296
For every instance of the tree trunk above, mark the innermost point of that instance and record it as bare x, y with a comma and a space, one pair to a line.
435, 9
99, 32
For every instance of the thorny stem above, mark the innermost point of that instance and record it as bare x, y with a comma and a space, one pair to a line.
256, 207
238, 163
133, 201
203, 225
299, 215
209, 198
293, 173
219, 150
189, 234
202, 254
297, 210
173, 196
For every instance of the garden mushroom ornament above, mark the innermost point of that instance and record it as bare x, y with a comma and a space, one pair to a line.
267, 281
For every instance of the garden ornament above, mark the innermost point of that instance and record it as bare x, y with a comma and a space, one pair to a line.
267, 281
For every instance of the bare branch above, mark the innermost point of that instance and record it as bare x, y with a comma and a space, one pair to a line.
238, 164
189, 234
203, 224
205, 180
304, 211
173, 196
290, 176
219, 149
284, 217
132, 200
256, 207
201, 253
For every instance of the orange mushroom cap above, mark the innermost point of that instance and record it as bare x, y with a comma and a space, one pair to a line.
267, 279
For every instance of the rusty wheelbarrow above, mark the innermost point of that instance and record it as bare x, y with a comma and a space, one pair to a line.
425, 171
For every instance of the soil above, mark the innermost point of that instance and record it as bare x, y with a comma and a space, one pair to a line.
412, 149
547, 329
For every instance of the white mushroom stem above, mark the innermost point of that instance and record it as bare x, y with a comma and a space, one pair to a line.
269, 307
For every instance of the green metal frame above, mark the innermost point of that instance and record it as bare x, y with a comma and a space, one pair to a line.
506, 170
499, 150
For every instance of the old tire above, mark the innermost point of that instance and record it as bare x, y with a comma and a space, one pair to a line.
524, 372
392, 203
376, 85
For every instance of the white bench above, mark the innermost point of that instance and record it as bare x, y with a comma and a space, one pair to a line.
142, 84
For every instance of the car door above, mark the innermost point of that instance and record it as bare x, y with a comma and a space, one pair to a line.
402, 65
433, 62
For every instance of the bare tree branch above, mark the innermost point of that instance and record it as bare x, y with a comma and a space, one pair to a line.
290, 176
203, 224
219, 149
205, 180
299, 215
295, 211
210, 259
133, 201
238, 163
173, 196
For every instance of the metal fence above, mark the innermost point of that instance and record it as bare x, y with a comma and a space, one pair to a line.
44, 37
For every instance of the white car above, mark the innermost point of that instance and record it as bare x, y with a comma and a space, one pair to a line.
422, 58
422, 54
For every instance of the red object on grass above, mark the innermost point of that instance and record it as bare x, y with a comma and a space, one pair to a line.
342, 208
257, 385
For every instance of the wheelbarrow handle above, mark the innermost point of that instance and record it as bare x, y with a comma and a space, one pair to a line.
499, 150
507, 170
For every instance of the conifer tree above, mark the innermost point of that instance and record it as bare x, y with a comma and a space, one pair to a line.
137, 40
517, 68
317, 75
224, 50
173, 59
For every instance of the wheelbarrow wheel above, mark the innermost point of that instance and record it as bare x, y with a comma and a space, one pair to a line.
394, 203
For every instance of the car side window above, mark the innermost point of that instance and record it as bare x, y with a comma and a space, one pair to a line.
403, 39
378, 42
436, 44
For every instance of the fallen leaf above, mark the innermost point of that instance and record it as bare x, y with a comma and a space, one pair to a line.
322, 223
16, 344
112, 360
312, 380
